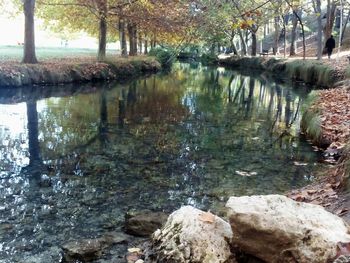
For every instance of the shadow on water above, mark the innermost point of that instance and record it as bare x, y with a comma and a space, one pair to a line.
74, 159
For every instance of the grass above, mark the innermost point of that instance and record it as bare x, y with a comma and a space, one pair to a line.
311, 120
310, 71
15, 53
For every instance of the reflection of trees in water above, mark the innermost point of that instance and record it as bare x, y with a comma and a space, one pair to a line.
35, 161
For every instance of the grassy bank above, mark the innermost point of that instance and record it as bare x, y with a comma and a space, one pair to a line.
309, 71
69, 70
327, 123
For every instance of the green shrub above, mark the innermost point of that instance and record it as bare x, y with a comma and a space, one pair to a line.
165, 56
209, 59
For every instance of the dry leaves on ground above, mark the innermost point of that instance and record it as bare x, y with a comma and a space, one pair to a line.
335, 116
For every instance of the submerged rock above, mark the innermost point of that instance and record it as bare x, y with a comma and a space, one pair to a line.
144, 223
191, 235
277, 229
87, 250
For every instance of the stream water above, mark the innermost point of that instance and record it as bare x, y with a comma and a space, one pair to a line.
74, 159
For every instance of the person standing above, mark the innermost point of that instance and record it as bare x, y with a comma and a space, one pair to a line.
330, 45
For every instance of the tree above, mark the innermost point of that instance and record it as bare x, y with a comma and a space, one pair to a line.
330, 18
29, 38
317, 8
102, 38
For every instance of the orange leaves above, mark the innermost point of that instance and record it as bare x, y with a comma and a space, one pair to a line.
207, 217
319, 195
335, 116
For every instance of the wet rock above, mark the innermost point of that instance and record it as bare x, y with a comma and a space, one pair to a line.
144, 223
275, 228
85, 250
45, 181
116, 237
5, 227
52, 254
191, 235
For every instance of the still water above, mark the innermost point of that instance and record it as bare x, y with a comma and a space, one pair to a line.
75, 159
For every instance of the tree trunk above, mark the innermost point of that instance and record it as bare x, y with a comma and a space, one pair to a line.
344, 27
243, 43
292, 50
284, 38
102, 39
122, 38
254, 43
29, 38
140, 43
146, 47
331, 10
317, 9
233, 47
135, 38
131, 33
298, 16
276, 35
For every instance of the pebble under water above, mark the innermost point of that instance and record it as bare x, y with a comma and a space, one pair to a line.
74, 159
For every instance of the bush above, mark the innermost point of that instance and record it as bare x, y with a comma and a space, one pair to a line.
209, 59
165, 56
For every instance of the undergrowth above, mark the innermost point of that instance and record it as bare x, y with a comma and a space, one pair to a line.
312, 72
311, 120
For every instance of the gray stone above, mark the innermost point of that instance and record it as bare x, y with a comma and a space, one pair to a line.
191, 235
85, 250
277, 229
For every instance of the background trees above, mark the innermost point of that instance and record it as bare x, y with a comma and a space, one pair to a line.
240, 27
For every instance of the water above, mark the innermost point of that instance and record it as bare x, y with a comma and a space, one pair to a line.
75, 158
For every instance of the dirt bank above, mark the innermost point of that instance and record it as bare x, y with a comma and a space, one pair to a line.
53, 72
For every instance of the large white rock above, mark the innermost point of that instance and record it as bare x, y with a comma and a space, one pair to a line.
277, 229
191, 235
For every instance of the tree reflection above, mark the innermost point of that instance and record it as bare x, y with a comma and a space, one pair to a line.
35, 161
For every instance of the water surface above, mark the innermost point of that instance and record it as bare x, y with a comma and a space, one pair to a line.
74, 159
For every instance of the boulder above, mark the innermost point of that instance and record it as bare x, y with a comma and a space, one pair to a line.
144, 223
275, 228
191, 235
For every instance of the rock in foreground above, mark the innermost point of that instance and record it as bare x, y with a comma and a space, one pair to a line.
277, 229
191, 235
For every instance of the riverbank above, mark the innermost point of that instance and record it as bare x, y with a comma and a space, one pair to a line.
63, 71
326, 122
311, 72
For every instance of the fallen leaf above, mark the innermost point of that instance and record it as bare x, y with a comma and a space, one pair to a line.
207, 217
